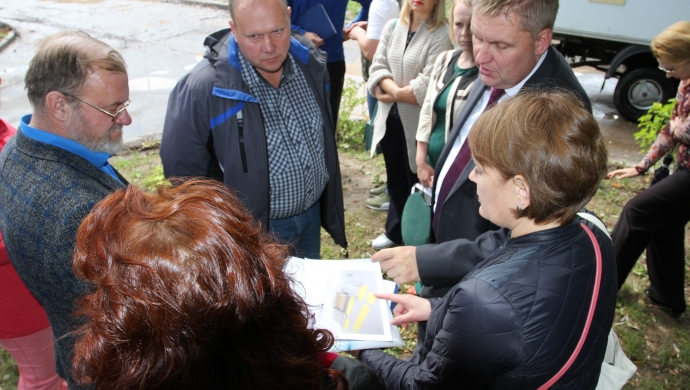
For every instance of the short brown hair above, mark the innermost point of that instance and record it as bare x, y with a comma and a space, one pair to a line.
437, 18
535, 15
63, 62
673, 44
189, 293
550, 139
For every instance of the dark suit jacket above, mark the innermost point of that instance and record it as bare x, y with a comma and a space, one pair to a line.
46, 192
460, 244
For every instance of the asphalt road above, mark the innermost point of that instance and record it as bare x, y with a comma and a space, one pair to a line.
161, 41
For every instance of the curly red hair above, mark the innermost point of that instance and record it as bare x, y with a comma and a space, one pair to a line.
190, 293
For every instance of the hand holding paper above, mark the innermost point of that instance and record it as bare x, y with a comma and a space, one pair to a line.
314, 38
399, 263
341, 297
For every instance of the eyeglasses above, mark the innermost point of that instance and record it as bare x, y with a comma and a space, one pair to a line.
667, 71
671, 70
110, 114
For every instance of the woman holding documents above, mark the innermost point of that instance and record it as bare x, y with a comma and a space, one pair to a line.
450, 83
399, 79
536, 311
655, 219
189, 293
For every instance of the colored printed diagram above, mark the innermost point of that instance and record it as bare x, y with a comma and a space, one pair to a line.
355, 308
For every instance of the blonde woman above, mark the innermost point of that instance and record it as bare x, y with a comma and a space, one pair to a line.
452, 78
655, 219
399, 79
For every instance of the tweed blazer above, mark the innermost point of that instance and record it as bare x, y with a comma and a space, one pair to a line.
46, 192
406, 66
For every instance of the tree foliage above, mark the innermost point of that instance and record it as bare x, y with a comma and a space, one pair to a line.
652, 123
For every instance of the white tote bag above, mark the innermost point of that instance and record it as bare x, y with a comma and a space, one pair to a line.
617, 369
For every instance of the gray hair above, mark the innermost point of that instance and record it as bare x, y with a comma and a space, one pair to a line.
63, 62
233, 3
535, 15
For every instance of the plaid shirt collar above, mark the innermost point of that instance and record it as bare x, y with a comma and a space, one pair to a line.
252, 77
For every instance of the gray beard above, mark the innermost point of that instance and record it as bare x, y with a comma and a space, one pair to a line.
106, 145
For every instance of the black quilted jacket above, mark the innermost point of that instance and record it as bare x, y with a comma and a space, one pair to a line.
514, 321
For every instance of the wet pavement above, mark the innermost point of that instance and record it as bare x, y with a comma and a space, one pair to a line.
161, 41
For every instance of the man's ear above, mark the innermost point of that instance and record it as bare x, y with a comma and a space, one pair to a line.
543, 41
289, 12
232, 25
522, 191
57, 106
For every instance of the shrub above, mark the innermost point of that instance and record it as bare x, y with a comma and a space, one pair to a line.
652, 123
350, 133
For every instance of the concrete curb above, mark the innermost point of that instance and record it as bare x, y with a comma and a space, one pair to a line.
137, 143
9, 38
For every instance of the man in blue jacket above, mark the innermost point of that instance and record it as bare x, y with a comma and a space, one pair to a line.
254, 114
333, 45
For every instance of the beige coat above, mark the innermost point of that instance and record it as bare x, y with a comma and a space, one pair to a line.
411, 66
427, 116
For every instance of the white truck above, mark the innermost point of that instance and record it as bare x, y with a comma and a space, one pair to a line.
614, 36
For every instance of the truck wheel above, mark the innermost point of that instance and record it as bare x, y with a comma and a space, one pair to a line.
638, 89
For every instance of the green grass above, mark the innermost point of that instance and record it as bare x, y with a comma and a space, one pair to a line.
353, 8
9, 375
141, 166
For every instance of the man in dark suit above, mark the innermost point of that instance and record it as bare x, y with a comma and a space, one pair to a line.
56, 169
513, 53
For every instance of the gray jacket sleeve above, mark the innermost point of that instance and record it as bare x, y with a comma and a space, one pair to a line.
445, 264
186, 129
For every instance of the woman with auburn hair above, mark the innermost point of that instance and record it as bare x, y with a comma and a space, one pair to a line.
190, 294
538, 310
655, 219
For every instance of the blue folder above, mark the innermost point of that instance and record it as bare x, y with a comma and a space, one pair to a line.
316, 20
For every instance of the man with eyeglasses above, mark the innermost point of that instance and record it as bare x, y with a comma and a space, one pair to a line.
56, 169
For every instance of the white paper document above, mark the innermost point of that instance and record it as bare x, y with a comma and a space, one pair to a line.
340, 294
353, 345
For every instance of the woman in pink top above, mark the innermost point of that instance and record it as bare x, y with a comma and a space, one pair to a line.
24, 329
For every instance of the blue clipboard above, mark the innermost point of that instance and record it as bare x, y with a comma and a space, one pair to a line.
397, 289
316, 20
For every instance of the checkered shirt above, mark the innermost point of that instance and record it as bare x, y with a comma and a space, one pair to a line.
293, 124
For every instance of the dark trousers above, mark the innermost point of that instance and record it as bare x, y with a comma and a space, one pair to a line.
399, 175
336, 72
655, 219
